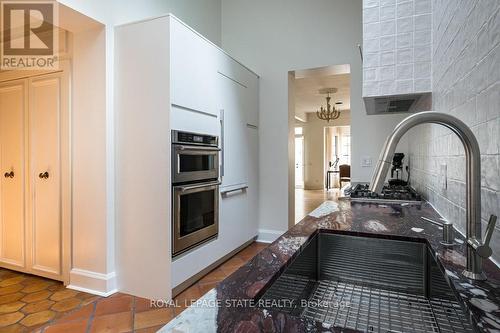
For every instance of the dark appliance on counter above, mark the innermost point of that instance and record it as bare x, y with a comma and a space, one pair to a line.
390, 193
195, 189
397, 166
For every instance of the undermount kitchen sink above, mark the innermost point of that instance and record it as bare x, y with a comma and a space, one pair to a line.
368, 284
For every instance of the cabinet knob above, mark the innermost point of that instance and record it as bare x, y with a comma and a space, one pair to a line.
44, 175
9, 174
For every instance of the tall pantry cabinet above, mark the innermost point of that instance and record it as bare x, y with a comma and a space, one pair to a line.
33, 148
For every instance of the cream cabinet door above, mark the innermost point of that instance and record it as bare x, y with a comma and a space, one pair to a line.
45, 229
12, 182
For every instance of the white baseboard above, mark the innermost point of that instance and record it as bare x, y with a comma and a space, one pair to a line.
92, 282
268, 236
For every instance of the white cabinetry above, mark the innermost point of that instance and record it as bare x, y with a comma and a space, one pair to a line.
31, 229
193, 77
12, 185
198, 88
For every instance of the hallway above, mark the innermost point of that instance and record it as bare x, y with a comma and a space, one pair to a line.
307, 200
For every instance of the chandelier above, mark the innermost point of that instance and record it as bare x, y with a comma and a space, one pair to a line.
328, 113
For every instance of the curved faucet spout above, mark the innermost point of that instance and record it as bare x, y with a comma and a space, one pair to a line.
472, 181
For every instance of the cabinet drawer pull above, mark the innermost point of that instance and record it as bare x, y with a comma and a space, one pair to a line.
9, 174
242, 188
43, 175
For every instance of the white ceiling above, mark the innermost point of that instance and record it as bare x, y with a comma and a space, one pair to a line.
308, 99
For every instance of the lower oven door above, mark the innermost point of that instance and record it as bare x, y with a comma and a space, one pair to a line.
195, 215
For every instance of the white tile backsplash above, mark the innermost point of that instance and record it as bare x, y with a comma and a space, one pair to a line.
371, 15
405, 56
404, 72
371, 45
387, 73
387, 2
423, 22
387, 58
404, 9
457, 55
422, 7
404, 40
405, 24
389, 28
387, 13
422, 70
422, 37
387, 43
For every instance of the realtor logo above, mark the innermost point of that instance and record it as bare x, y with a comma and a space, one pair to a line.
29, 35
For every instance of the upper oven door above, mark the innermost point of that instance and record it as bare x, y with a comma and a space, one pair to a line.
193, 163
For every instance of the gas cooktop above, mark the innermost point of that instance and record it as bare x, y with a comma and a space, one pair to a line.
361, 192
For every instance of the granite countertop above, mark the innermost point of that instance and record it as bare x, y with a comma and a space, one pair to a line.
229, 306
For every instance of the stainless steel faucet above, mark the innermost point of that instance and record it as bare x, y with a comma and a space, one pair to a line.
476, 250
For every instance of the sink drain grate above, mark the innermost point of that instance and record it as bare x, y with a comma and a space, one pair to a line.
371, 309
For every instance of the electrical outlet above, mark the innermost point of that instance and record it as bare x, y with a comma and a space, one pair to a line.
366, 161
443, 177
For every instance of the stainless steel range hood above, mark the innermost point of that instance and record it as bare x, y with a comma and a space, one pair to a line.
407, 103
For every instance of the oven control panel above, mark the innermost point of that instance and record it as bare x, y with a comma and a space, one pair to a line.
194, 138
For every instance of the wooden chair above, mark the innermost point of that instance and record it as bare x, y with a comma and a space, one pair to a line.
344, 174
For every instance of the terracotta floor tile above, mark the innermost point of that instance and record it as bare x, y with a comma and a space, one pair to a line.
10, 318
228, 270
90, 300
36, 296
234, 262
150, 318
38, 306
66, 305
82, 313
56, 287
63, 294
112, 323
118, 294
11, 307
143, 304
78, 326
38, 318
11, 281
205, 287
11, 289
215, 275
189, 295
10, 298
16, 328
153, 329
33, 287
113, 305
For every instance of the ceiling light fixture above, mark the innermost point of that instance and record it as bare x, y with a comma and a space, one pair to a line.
328, 113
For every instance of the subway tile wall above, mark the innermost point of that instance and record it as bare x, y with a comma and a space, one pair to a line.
465, 83
397, 46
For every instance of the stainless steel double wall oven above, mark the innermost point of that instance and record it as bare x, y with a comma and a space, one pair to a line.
195, 189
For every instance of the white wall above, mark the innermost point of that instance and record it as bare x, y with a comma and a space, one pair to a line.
466, 79
290, 35
91, 244
202, 15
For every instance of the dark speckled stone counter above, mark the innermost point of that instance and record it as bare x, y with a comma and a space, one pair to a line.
219, 311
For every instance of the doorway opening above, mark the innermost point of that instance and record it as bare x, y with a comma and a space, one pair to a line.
338, 156
319, 101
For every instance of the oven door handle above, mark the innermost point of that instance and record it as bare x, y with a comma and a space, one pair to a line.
197, 148
192, 187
